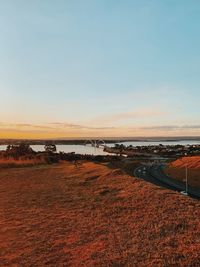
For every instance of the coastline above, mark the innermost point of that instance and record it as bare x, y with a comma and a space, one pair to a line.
107, 140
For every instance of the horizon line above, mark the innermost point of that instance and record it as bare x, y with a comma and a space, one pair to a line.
107, 138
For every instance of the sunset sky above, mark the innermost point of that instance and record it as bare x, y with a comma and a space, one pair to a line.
77, 68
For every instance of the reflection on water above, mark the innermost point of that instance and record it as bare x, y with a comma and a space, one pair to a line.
81, 149
78, 149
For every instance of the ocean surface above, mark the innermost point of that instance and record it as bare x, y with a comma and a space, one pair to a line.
82, 149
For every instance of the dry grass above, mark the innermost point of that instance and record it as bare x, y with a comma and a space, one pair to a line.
176, 169
93, 216
191, 162
10, 163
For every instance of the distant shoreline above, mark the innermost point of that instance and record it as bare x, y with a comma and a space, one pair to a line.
106, 140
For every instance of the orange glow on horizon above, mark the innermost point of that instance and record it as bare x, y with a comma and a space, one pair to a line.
15, 134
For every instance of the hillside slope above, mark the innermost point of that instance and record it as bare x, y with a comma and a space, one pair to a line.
93, 216
176, 169
190, 162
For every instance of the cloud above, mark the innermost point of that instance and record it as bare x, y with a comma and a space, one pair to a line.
65, 129
136, 114
78, 126
172, 127
50, 127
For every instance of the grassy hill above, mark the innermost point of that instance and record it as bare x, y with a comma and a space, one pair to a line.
176, 169
93, 215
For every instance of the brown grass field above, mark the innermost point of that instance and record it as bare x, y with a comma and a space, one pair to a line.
176, 169
59, 215
11, 163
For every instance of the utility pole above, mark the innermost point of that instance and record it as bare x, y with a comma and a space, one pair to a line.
186, 179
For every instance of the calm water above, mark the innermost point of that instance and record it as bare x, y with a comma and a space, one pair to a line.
165, 143
78, 149
81, 149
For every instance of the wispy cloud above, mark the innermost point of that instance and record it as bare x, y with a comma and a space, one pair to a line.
54, 127
136, 114
64, 129
78, 126
172, 127
130, 115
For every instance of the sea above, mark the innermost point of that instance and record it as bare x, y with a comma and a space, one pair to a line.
88, 149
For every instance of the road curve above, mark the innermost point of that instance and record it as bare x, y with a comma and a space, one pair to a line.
154, 174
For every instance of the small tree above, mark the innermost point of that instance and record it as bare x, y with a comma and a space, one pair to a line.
17, 151
50, 148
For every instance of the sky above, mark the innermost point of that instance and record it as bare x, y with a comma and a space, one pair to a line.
99, 68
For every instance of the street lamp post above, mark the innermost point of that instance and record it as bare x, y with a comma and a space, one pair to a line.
186, 178
186, 181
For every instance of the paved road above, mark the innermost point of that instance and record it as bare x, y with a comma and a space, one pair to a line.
155, 175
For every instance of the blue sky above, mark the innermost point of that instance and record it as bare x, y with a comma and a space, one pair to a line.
99, 68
